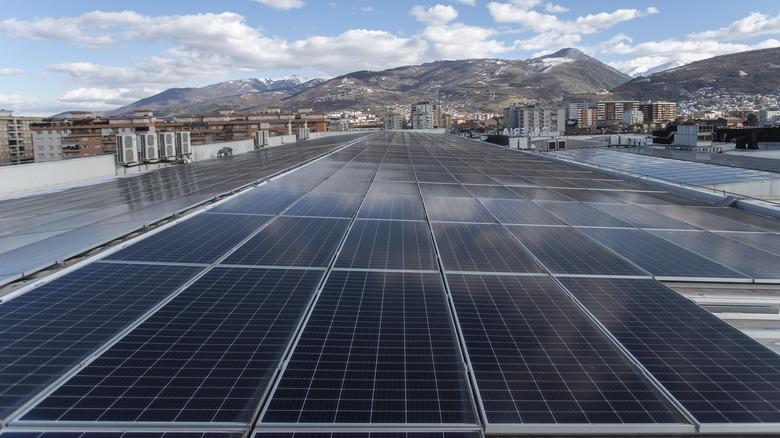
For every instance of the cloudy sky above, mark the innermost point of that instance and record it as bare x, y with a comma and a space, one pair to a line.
99, 55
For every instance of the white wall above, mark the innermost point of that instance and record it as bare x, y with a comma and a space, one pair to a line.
39, 176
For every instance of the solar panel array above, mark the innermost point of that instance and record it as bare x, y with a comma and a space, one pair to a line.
407, 286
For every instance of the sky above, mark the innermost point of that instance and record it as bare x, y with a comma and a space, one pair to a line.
100, 55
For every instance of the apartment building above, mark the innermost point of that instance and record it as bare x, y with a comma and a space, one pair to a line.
16, 143
658, 111
535, 119
587, 117
611, 111
81, 134
426, 115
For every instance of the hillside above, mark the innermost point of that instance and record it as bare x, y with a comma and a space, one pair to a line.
486, 85
754, 72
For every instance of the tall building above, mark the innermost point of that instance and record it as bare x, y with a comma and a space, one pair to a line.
612, 111
535, 119
426, 115
587, 117
658, 111
16, 145
633, 117
394, 121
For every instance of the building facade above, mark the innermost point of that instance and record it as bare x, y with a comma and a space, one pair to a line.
633, 117
612, 111
535, 120
658, 111
82, 135
16, 142
587, 117
426, 115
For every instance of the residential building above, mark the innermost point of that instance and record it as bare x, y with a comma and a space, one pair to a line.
769, 117
426, 115
633, 117
394, 121
612, 111
16, 145
535, 119
82, 135
587, 117
658, 111
572, 112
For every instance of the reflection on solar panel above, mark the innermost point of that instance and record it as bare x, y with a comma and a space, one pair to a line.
486, 248
449, 209
718, 373
120, 435
206, 356
744, 259
325, 205
659, 257
564, 250
378, 348
259, 201
50, 329
582, 215
519, 211
392, 207
474, 434
538, 359
200, 239
642, 217
292, 241
388, 245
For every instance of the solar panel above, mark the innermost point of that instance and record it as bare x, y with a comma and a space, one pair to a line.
49, 329
399, 434
564, 250
539, 194
519, 211
587, 196
486, 191
537, 359
392, 207
718, 373
444, 191
396, 188
483, 247
103, 434
452, 209
259, 201
748, 261
657, 256
324, 204
206, 356
754, 220
379, 347
642, 217
768, 242
376, 244
200, 239
582, 215
701, 218
292, 241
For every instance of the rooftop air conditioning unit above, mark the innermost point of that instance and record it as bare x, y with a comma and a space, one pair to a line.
167, 142
147, 145
302, 134
183, 146
261, 139
126, 149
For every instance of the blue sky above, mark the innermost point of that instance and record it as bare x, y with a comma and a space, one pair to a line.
99, 55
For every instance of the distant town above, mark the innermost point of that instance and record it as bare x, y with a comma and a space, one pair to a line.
83, 134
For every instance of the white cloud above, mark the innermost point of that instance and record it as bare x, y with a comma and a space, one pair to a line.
111, 96
753, 25
522, 13
436, 15
548, 42
459, 41
10, 71
283, 5
467, 2
555, 9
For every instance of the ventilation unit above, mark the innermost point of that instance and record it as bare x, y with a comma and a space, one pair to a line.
167, 142
147, 146
261, 139
183, 147
126, 149
303, 134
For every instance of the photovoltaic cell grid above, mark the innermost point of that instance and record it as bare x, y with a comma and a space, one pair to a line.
292, 241
718, 373
693, 173
367, 435
374, 244
538, 359
48, 330
120, 435
199, 239
379, 347
207, 356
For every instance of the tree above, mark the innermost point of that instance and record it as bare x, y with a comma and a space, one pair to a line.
751, 120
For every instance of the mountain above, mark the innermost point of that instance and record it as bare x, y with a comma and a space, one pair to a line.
486, 85
243, 92
753, 72
643, 71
